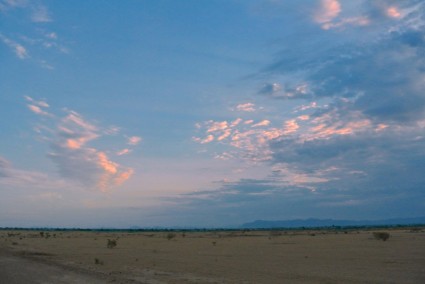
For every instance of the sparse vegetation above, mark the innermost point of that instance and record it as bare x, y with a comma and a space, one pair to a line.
98, 261
381, 236
111, 243
275, 233
170, 236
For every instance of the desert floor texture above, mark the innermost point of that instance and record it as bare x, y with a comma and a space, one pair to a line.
293, 256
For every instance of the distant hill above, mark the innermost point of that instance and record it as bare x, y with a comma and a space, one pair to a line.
298, 223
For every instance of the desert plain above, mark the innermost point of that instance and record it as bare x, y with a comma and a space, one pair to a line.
278, 256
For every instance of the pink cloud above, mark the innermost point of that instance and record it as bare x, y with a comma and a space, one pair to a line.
328, 10
236, 122
111, 172
123, 176
291, 126
225, 134
264, 122
393, 12
381, 127
123, 152
248, 107
303, 117
37, 110
218, 125
206, 140
75, 159
134, 140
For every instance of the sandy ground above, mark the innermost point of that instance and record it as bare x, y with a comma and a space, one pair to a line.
218, 257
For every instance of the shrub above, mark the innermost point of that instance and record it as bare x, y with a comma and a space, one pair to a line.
170, 236
98, 261
111, 243
381, 236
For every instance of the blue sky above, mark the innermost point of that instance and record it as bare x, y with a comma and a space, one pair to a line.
210, 113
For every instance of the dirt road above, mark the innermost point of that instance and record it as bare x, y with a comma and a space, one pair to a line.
17, 270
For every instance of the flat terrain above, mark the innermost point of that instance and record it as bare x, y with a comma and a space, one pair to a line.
352, 256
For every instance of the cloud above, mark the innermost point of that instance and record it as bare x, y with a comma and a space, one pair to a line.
4, 167
40, 14
6, 5
37, 110
37, 107
280, 91
354, 141
134, 140
19, 49
393, 12
389, 89
123, 152
248, 107
209, 138
12, 177
69, 138
270, 89
264, 122
328, 10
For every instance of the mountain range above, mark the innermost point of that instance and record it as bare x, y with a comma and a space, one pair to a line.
298, 223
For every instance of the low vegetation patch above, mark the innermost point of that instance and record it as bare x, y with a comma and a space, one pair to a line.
111, 243
381, 236
98, 261
171, 236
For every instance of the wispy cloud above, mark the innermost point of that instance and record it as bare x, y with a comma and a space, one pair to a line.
19, 50
11, 176
69, 137
134, 140
327, 11
6, 5
357, 131
279, 91
264, 122
37, 37
40, 14
249, 107
123, 152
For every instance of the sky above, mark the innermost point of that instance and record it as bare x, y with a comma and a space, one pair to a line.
210, 113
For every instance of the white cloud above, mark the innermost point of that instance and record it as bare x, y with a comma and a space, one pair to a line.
40, 14
19, 50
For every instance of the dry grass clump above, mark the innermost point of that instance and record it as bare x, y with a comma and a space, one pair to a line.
171, 236
111, 243
98, 261
381, 236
